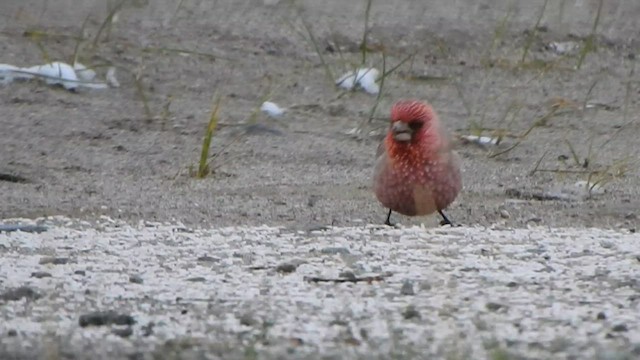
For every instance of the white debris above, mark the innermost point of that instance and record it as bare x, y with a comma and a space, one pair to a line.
563, 47
480, 140
83, 72
54, 73
272, 109
7, 73
364, 77
111, 77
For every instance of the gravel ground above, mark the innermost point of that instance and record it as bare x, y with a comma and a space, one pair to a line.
106, 289
206, 280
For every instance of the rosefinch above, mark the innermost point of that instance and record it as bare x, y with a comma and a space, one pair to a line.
417, 172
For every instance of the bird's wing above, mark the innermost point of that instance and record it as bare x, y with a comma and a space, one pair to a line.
381, 165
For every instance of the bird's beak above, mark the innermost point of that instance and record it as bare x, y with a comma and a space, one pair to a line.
401, 131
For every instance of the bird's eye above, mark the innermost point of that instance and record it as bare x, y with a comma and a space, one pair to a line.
415, 124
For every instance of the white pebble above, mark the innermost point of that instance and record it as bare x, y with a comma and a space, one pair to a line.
364, 77
272, 109
480, 140
111, 77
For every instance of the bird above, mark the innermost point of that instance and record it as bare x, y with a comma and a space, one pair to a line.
417, 172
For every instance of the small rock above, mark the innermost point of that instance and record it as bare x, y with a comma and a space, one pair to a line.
407, 288
335, 250
317, 227
411, 313
313, 199
100, 318
513, 193
607, 244
40, 274
80, 272
287, 268
295, 341
53, 260
124, 332
197, 279
247, 320
425, 285
24, 228
512, 284
504, 214
559, 344
136, 279
620, 328
207, 258
347, 275
336, 109
491, 306
601, 316
471, 269
19, 293
147, 330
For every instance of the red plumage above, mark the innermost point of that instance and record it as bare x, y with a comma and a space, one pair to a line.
417, 172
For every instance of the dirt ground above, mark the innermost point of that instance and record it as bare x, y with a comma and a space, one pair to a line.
97, 152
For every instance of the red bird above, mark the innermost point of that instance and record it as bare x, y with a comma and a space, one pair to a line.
417, 172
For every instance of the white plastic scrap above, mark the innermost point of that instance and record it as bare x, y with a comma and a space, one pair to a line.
57, 73
272, 109
111, 77
563, 47
364, 77
8, 73
83, 72
480, 140
70, 77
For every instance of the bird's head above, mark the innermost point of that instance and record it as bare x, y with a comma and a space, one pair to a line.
410, 119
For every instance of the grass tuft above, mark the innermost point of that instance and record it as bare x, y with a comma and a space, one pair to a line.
203, 164
312, 39
106, 23
533, 33
590, 42
365, 33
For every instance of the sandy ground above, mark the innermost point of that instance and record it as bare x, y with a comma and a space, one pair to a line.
98, 152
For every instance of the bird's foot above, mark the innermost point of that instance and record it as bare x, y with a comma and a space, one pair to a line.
388, 220
445, 220
445, 223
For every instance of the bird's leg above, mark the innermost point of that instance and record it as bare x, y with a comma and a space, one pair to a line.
388, 221
445, 219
